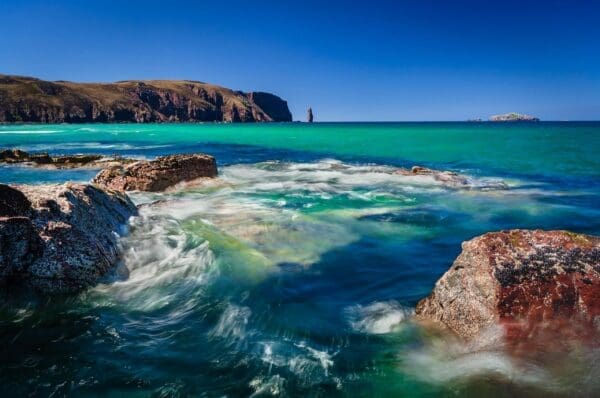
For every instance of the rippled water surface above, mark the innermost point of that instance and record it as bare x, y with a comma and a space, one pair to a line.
296, 273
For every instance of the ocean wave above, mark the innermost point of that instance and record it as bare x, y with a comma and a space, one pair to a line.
330, 176
29, 132
232, 323
311, 366
250, 231
273, 385
445, 360
157, 255
377, 318
51, 147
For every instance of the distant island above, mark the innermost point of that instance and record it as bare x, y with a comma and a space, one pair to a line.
31, 100
513, 117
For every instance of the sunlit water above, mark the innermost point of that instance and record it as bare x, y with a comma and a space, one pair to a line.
296, 273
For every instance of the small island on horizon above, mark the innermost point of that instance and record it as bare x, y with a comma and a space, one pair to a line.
514, 117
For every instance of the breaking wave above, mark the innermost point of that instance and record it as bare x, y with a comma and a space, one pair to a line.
378, 317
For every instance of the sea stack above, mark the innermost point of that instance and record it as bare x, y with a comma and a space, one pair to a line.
309, 115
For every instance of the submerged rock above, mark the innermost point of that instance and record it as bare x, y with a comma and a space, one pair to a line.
159, 174
450, 179
532, 284
60, 238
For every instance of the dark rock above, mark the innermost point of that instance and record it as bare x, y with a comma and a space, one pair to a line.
272, 105
13, 156
69, 238
159, 174
532, 284
309, 115
43, 159
13, 202
19, 245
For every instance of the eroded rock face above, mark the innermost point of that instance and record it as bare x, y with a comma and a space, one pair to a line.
159, 174
532, 283
26, 99
60, 238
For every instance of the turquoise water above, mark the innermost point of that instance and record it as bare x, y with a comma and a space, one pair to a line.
297, 271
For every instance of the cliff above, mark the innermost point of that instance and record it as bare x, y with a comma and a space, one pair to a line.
26, 99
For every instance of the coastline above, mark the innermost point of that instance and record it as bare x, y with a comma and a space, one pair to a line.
234, 266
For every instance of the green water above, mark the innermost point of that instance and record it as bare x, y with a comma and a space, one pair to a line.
297, 272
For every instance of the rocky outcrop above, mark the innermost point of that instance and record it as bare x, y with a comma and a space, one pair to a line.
309, 115
26, 99
159, 174
43, 159
513, 117
60, 238
532, 284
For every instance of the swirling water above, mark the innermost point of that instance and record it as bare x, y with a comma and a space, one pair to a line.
296, 273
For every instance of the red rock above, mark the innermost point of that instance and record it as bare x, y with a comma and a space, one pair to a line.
539, 286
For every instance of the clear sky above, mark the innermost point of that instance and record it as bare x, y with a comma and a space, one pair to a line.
349, 60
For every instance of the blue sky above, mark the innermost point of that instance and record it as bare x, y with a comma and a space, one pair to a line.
360, 60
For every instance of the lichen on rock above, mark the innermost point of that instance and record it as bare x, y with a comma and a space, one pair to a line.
532, 283
158, 174
60, 238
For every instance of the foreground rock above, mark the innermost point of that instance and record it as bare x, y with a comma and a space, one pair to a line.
157, 175
449, 178
30, 100
513, 117
531, 283
60, 238
43, 159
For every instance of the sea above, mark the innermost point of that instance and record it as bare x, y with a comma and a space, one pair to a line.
296, 272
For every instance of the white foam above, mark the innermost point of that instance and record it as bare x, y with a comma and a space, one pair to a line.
232, 323
273, 386
377, 317
89, 146
29, 131
443, 361
309, 364
157, 254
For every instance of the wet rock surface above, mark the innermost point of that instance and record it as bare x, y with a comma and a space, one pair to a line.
60, 238
449, 179
157, 175
43, 159
536, 285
